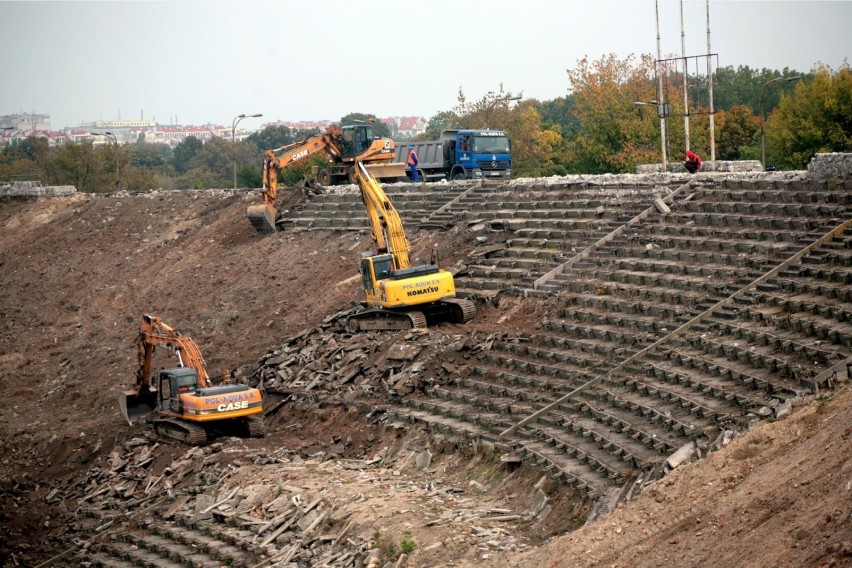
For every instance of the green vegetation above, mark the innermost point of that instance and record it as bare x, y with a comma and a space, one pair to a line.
594, 129
407, 544
390, 550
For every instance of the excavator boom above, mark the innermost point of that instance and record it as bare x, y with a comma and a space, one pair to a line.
153, 332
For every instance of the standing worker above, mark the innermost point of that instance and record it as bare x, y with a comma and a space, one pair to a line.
693, 162
412, 163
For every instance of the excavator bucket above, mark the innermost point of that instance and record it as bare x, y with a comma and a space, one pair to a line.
136, 405
262, 217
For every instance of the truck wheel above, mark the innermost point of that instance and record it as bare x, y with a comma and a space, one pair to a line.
458, 174
324, 177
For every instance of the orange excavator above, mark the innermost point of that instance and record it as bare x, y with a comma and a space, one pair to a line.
344, 146
187, 406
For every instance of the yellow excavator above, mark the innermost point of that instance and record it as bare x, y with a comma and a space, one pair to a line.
187, 406
400, 296
344, 146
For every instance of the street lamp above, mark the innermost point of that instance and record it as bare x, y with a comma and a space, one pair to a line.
114, 140
234, 124
505, 99
762, 136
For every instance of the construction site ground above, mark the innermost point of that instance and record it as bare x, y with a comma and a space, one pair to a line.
76, 275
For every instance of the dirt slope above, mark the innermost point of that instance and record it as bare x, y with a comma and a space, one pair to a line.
779, 496
77, 273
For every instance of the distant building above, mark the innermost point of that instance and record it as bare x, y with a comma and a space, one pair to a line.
119, 123
301, 125
25, 122
54, 138
405, 126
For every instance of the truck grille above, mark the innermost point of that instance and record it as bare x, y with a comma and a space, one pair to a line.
493, 165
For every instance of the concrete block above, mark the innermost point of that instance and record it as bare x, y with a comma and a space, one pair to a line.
682, 455
539, 501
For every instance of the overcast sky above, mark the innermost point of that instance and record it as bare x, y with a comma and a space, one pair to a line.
196, 62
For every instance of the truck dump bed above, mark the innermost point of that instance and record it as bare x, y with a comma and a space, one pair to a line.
430, 154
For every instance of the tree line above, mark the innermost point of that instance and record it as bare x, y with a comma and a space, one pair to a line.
596, 128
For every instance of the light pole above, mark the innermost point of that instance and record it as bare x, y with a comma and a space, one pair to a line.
662, 113
505, 99
234, 124
762, 136
114, 140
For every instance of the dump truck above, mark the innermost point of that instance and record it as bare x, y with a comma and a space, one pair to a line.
461, 154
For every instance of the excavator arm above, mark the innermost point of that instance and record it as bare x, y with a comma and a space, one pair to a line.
385, 222
345, 146
276, 160
141, 399
401, 296
152, 333
263, 216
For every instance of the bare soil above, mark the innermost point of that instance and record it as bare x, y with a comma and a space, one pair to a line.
77, 273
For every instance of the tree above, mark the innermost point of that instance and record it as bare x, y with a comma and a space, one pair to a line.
249, 176
147, 156
272, 137
612, 133
560, 111
380, 129
735, 132
216, 159
138, 179
490, 111
79, 165
26, 159
184, 152
532, 146
742, 86
198, 178
816, 118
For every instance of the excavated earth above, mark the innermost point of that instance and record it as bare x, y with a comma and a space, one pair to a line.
350, 473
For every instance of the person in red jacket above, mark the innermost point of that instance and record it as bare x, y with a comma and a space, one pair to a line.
693, 162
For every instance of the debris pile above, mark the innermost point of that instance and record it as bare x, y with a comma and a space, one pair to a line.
322, 359
241, 506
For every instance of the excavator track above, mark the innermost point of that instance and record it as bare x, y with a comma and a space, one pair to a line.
385, 320
461, 310
256, 427
186, 432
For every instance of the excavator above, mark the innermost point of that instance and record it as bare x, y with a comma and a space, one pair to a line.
187, 405
400, 296
344, 146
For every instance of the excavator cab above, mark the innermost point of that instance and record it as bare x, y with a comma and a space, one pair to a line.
173, 383
356, 139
